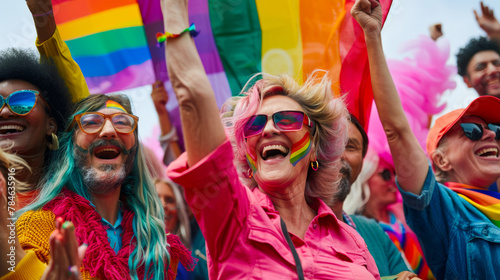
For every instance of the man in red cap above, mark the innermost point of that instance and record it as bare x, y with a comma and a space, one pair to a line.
457, 222
479, 61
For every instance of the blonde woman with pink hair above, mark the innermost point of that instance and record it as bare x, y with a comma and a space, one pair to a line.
258, 183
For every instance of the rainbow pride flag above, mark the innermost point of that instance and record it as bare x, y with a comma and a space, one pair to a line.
114, 43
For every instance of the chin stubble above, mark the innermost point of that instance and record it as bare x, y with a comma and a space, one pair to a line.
105, 177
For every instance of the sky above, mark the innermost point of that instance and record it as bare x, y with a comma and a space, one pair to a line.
407, 19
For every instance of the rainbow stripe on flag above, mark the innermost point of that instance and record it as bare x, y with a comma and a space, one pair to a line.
107, 40
115, 45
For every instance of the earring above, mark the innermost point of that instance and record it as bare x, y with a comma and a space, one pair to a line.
54, 143
250, 173
315, 165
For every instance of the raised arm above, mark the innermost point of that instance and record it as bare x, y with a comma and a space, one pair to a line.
201, 125
168, 135
43, 16
488, 22
409, 158
50, 44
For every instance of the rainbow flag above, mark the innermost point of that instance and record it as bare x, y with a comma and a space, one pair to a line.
114, 43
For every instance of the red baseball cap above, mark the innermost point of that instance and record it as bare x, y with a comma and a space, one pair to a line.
486, 107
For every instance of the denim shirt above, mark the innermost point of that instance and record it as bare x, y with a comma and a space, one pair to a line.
459, 242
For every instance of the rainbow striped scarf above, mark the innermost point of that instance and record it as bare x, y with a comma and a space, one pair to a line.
407, 242
487, 202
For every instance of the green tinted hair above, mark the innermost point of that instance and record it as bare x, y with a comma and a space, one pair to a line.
138, 193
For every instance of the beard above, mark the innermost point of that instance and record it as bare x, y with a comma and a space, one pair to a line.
344, 187
103, 178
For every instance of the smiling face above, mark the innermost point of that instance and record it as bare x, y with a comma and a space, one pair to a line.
353, 153
168, 202
106, 157
382, 185
483, 73
474, 163
28, 134
273, 149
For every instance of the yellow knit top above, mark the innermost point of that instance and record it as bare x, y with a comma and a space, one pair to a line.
34, 229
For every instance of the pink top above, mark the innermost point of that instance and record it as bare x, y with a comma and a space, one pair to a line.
243, 234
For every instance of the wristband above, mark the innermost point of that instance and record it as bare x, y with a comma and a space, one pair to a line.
161, 38
44, 14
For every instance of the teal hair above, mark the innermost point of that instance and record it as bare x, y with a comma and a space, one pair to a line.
138, 194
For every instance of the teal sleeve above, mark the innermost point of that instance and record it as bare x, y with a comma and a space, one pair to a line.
387, 257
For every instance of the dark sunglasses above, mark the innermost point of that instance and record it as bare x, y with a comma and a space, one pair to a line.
386, 174
474, 131
22, 102
283, 121
93, 122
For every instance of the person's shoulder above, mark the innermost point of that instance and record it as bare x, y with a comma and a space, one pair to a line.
35, 221
362, 220
366, 225
33, 232
352, 233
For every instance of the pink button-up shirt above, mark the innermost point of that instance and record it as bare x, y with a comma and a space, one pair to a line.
243, 234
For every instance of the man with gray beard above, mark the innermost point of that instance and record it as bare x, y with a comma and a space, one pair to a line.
100, 191
389, 260
111, 176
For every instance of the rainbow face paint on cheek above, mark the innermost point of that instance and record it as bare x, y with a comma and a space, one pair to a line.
114, 105
251, 160
300, 149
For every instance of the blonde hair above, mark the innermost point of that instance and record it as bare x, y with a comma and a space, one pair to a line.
329, 133
183, 229
8, 162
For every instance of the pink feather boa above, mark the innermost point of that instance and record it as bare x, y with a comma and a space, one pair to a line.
100, 259
421, 79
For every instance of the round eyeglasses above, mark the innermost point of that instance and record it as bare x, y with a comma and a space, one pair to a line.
93, 122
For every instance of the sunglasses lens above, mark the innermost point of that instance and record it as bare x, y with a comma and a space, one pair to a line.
91, 123
123, 123
288, 120
496, 129
255, 125
22, 102
386, 175
473, 131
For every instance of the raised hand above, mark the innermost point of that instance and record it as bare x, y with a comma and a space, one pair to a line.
488, 22
368, 14
43, 16
65, 256
436, 31
159, 96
